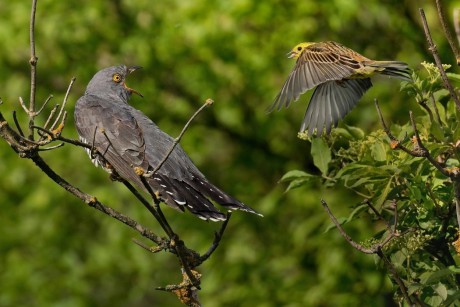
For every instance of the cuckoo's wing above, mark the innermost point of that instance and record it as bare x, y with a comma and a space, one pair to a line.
115, 135
317, 64
330, 102
183, 179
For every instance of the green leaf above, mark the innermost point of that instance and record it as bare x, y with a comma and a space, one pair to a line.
436, 130
298, 183
296, 178
441, 290
356, 212
428, 278
453, 77
379, 151
452, 299
321, 154
294, 174
356, 132
384, 194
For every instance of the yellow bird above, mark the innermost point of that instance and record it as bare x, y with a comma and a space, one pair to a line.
341, 77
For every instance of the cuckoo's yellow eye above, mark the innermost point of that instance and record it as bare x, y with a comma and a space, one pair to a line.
116, 78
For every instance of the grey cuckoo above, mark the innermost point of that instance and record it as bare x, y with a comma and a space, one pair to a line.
125, 139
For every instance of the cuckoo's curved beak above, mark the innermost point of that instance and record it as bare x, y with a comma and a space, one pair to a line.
130, 70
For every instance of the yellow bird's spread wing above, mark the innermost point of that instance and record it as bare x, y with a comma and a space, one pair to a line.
319, 63
330, 102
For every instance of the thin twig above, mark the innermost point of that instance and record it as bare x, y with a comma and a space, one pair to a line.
50, 117
217, 237
24, 107
153, 250
447, 33
44, 105
395, 143
208, 102
434, 51
33, 69
61, 138
16, 122
457, 201
51, 147
344, 234
64, 102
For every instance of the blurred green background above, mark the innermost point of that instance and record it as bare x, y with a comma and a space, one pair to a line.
56, 251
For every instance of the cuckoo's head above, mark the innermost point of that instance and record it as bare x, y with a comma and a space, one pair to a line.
111, 82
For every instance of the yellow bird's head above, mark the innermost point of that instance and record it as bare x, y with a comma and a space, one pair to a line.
297, 50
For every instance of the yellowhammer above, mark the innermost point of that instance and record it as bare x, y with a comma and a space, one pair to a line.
341, 77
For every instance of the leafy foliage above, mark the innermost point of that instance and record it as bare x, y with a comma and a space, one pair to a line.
373, 167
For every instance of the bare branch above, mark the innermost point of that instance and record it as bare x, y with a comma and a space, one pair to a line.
93, 202
343, 233
457, 201
33, 69
51, 147
434, 51
16, 122
44, 105
217, 237
64, 102
53, 136
447, 33
23, 105
153, 250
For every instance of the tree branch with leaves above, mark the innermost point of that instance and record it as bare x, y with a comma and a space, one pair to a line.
409, 176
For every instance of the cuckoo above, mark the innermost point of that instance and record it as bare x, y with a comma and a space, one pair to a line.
124, 141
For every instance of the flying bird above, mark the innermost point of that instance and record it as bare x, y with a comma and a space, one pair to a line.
126, 140
341, 77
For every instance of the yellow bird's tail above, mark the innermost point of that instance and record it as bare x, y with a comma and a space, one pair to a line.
394, 69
